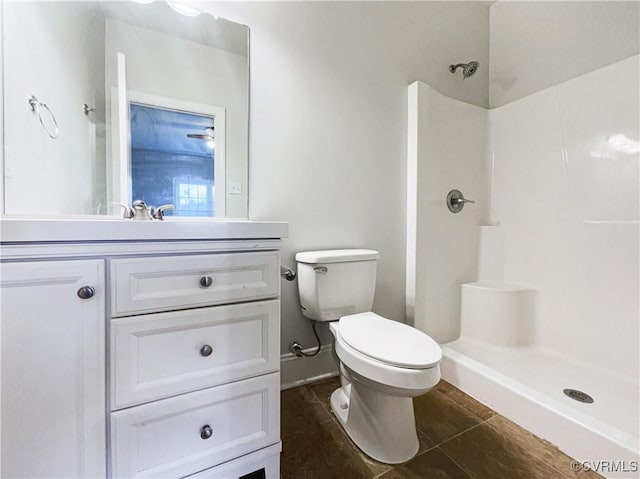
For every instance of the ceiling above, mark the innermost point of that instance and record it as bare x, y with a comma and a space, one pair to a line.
204, 28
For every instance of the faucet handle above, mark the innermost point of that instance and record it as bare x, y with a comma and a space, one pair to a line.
127, 211
456, 201
158, 212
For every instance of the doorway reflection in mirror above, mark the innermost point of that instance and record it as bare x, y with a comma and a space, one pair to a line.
173, 159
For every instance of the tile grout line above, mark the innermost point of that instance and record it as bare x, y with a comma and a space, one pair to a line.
320, 400
463, 469
536, 458
524, 451
465, 407
482, 421
457, 435
328, 410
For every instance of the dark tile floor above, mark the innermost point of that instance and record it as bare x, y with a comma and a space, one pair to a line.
459, 439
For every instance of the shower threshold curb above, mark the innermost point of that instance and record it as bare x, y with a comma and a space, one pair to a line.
578, 435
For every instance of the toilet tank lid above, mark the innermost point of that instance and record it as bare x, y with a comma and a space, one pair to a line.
337, 256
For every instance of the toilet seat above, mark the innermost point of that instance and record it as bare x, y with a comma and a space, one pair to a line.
403, 381
389, 342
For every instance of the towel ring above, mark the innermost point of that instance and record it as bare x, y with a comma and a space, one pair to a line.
37, 107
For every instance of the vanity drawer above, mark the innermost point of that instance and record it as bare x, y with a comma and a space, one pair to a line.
144, 285
164, 354
169, 438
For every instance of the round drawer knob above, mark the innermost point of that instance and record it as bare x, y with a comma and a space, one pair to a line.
86, 292
206, 350
206, 432
206, 281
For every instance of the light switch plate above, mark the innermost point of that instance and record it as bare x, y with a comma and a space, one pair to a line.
235, 188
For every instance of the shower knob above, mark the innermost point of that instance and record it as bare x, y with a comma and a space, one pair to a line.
456, 201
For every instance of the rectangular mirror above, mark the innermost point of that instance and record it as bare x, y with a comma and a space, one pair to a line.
110, 102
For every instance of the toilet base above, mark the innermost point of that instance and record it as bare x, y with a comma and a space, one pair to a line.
381, 425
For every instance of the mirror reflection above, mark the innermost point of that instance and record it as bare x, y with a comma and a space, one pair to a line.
110, 102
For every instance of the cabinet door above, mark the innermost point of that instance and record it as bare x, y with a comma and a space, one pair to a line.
53, 369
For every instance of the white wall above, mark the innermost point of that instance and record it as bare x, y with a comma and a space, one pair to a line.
45, 176
567, 204
535, 45
448, 150
221, 80
329, 118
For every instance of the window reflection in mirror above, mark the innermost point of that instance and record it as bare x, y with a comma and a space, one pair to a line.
111, 56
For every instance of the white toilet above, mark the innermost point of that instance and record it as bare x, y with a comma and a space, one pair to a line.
383, 363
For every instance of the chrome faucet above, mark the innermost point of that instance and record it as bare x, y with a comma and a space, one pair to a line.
139, 211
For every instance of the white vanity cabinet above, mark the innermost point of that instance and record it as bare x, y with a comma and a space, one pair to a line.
53, 369
126, 358
195, 385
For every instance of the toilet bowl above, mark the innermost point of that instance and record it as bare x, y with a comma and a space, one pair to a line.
383, 363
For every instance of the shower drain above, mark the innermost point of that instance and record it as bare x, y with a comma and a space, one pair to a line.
578, 395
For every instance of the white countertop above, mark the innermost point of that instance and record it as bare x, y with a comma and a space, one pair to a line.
109, 228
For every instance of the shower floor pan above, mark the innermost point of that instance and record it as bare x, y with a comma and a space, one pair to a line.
526, 385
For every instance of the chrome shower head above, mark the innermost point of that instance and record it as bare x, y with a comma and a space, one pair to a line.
468, 69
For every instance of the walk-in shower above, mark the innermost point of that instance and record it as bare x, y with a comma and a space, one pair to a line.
535, 310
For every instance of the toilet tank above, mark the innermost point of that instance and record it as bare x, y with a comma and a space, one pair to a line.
335, 283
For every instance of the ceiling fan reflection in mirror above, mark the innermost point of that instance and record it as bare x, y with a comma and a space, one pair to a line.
208, 134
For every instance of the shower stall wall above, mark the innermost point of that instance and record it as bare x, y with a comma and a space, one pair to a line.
535, 289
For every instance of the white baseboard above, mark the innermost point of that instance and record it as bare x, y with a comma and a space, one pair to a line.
295, 371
